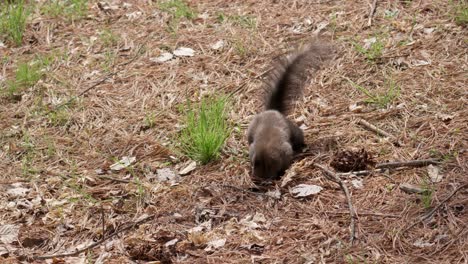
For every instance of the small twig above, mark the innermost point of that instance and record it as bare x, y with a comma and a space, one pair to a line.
113, 179
374, 128
78, 251
12, 181
369, 214
430, 213
379, 131
395, 165
332, 177
103, 223
359, 173
371, 13
410, 163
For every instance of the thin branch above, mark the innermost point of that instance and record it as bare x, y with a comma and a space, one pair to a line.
103, 223
410, 163
369, 214
360, 173
113, 179
394, 165
371, 13
332, 177
93, 245
435, 209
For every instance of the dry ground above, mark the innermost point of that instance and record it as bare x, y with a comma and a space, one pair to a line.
56, 160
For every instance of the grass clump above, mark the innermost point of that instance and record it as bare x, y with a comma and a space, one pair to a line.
108, 38
381, 100
244, 21
178, 9
26, 75
373, 51
206, 130
72, 9
60, 117
13, 17
461, 14
427, 194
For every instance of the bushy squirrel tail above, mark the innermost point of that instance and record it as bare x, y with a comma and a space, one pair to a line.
286, 81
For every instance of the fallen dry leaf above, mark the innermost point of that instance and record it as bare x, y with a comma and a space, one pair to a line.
9, 233
189, 168
445, 117
218, 45
134, 15
215, 244
166, 56
167, 174
434, 173
304, 190
18, 190
184, 52
356, 108
357, 184
123, 163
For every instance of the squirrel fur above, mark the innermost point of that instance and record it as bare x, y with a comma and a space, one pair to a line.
273, 138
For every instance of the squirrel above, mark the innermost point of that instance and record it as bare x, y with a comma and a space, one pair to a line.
273, 138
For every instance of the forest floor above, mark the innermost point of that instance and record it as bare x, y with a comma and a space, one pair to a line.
104, 94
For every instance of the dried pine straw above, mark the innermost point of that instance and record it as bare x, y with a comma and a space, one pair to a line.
56, 156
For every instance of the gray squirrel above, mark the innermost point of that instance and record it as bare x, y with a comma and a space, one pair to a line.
273, 138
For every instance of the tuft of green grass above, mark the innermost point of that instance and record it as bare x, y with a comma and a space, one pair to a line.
178, 9
53, 8
26, 75
28, 156
72, 9
13, 18
374, 51
206, 130
221, 17
150, 120
109, 60
244, 21
241, 48
427, 194
461, 14
60, 117
389, 13
381, 100
108, 38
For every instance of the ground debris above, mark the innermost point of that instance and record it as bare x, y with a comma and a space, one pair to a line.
110, 86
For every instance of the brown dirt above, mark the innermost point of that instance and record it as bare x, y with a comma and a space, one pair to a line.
69, 205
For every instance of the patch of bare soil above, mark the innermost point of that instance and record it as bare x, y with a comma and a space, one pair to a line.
90, 172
